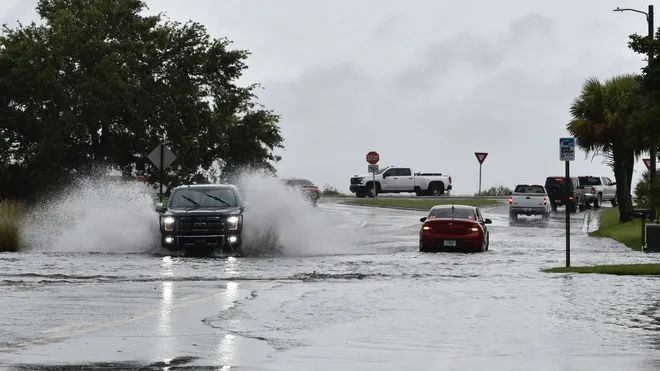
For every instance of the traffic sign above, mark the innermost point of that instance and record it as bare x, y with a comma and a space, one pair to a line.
481, 156
372, 168
647, 162
162, 157
566, 149
373, 157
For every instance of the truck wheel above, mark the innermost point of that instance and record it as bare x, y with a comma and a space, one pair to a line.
573, 207
553, 206
371, 192
598, 201
436, 189
614, 202
360, 194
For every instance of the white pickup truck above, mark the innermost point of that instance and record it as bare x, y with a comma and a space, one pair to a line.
598, 189
393, 179
529, 199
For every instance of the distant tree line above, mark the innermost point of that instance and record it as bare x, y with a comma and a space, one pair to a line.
495, 191
98, 83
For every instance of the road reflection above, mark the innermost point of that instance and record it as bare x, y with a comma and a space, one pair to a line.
167, 300
226, 349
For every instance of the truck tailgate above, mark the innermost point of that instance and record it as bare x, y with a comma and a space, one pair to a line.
528, 200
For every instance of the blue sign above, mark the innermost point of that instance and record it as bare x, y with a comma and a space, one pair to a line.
566, 149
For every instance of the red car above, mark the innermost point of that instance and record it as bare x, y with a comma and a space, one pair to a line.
454, 228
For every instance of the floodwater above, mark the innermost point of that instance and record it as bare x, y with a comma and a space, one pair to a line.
379, 305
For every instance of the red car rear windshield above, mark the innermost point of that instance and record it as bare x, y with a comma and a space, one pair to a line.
456, 213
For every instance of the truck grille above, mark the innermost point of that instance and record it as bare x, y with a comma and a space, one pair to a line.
356, 180
201, 225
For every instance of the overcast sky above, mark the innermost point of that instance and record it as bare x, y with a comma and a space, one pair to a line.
425, 83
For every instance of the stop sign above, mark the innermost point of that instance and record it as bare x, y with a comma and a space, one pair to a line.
373, 157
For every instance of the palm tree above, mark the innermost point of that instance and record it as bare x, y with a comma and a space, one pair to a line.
602, 124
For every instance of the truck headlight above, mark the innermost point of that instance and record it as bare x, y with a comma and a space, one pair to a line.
234, 223
168, 223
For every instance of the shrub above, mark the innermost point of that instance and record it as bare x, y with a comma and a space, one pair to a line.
330, 191
11, 214
642, 192
495, 191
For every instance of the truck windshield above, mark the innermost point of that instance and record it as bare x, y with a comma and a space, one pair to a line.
524, 188
589, 181
204, 197
449, 213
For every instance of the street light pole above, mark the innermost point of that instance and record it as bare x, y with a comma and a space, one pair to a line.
653, 150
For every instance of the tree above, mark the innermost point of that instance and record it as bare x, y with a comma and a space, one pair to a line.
99, 83
602, 124
495, 191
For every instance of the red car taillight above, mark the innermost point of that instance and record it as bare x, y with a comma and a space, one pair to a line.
449, 180
317, 190
545, 201
593, 190
510, 200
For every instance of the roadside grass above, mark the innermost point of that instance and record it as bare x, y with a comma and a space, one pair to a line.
618, 269
421, 204
629, 234
11, 213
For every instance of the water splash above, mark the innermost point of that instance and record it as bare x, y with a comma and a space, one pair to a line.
278, 219
94, 214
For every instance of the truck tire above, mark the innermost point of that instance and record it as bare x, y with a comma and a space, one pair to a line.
614, 202
553, 206
436, 189
598, 201
370, 189
360, 194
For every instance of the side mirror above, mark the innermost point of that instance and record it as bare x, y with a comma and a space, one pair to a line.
384, 175
160, 208
422, 219
488, 221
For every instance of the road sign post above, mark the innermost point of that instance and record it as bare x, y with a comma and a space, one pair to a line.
481, 157
567, 154
372, 159
162, 157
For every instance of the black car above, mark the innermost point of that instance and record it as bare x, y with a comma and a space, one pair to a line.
202, 218
308, 190
556, 188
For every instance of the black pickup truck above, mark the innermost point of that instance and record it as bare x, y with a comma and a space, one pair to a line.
202, 218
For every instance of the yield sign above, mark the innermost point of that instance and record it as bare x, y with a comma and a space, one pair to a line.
481, 156
647, 162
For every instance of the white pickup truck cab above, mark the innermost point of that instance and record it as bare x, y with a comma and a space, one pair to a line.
394, 179
598, 189
529, 199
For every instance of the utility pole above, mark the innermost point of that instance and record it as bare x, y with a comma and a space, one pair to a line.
654, 146
653, 154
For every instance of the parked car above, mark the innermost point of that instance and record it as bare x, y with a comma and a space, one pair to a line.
598, 189
529, 199
307, 189
454, 228
202, 218
556, 186
394, 179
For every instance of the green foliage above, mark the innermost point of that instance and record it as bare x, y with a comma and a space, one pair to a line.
643, 193
618, 269
602, 123
100, 83
495, 191
330, 191
629, 234
11, 214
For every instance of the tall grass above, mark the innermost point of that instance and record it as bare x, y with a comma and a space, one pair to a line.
11, 214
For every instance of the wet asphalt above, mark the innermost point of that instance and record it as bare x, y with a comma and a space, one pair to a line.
377, 304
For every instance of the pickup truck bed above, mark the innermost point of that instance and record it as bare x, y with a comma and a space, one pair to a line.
529, 199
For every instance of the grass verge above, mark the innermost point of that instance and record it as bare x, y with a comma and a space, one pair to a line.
618, 269
11, 213
421, 204
629, 234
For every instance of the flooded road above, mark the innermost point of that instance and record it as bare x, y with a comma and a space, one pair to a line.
378, 305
